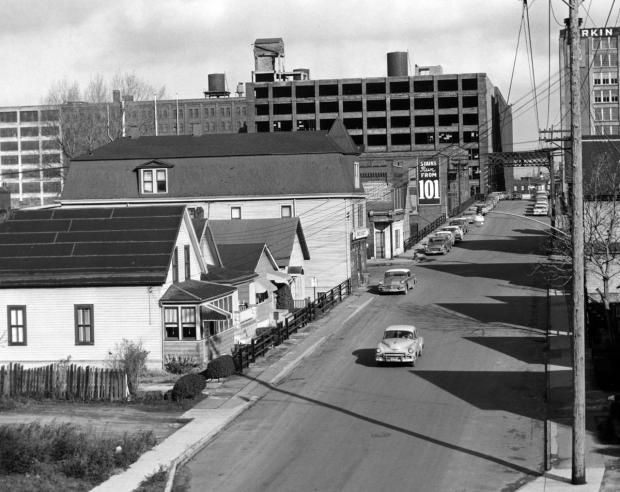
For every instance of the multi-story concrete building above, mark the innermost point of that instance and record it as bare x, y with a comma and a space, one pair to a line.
454, 120
31, 162
37, 142
599, 81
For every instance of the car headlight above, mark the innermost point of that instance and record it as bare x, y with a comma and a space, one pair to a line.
410, 350
379, 350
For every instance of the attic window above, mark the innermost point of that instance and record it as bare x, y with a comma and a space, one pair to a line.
154, 180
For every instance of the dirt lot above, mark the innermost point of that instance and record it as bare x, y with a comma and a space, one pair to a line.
162, 418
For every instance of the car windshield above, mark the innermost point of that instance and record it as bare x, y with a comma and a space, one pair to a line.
398, 334
436, 240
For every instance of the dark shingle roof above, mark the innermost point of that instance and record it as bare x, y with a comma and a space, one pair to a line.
218, 145
224, 165
277, 234
88, 246
195, 291
242, 257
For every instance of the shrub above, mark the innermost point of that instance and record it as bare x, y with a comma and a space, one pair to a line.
188, 386
222, 367
130, 356
180, 365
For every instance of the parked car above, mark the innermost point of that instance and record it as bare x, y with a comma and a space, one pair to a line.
456, 230
397, 280
540, 209
470, 215
438, 245
451, 235
400, 343
481, 207
462, 222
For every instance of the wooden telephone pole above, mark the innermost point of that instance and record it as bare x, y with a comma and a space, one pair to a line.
579, 380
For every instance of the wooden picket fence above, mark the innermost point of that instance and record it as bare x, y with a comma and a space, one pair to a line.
63, 382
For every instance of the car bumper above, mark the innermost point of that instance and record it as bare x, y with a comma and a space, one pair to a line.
395, 358
434, 251
400, 288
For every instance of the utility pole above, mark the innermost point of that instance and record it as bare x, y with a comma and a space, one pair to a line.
579, 381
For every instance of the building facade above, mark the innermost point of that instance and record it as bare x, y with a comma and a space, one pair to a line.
599, 80
455, 120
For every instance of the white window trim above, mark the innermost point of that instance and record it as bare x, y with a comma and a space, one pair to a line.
153, 171
286, 206
236, 207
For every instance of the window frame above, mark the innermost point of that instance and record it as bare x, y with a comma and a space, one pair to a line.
172, 324
154, 181
283, 214
232, 210
91, 326
190, 324
186, 261
24, 325
175, 265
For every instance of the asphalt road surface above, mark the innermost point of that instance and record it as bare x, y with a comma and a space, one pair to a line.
468, 417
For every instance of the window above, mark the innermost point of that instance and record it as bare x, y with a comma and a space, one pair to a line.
360, 215
186, 259
188, 322
84, 324
397, 238
30, 145
235, 212
356, 174
175, 265
286, 211
171, 323
154, 181
8, 132
606, 59
606, 114
16, 316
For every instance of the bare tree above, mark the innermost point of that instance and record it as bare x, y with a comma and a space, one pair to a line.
131, 85
601, 235
88, 118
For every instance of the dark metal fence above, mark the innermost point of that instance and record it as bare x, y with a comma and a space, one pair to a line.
245, 354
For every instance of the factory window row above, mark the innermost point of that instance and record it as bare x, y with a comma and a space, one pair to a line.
372, 105
29, 116
605, 78
13, 159
610, 95
371, 88
604, 43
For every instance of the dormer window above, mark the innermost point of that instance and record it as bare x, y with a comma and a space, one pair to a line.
154, 180
153, 177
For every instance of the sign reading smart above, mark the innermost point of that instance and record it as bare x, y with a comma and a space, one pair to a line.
428, 182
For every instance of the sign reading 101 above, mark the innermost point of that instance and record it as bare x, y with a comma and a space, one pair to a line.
428, 183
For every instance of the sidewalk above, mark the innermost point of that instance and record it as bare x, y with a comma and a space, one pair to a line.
602, 471
228, 399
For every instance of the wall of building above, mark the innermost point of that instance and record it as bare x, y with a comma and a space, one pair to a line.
119, 312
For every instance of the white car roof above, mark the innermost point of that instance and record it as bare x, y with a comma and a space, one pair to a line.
451, 227
397, 270
410, 328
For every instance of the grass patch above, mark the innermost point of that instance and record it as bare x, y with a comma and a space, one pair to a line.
65, 456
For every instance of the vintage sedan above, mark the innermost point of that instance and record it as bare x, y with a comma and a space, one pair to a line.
462, 222
397, 280
438, 245
400, 343
456, 230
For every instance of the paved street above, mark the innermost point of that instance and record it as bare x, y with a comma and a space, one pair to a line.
467, 417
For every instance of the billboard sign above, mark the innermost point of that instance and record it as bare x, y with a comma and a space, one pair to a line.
428, 182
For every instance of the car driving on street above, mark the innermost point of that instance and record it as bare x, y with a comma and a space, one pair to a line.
397, 280
400, 343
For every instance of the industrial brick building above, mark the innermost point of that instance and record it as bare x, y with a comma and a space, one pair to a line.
402, 120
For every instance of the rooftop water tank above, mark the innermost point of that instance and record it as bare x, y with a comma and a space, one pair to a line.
398, 64
217, 82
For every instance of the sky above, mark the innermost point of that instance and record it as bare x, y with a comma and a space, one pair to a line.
177, 43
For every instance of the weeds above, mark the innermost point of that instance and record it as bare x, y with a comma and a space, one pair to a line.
68, 450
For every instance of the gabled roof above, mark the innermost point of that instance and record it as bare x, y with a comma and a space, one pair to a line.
88, 246
242, 257
194, 292
278, 234
219, 166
